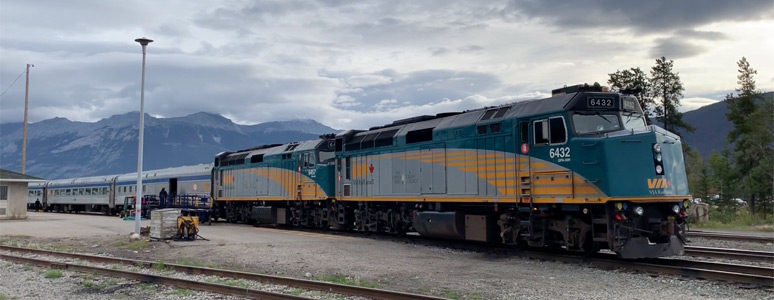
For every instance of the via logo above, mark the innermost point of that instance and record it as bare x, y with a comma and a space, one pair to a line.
658, 183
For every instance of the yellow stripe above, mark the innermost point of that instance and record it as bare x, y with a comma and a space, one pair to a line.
433, 199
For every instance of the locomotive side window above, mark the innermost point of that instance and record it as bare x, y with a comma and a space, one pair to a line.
551, 131
524, 132
558, 133
541, 132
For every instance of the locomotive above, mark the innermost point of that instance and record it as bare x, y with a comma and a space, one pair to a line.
580, 171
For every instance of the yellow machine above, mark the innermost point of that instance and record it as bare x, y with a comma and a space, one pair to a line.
187, 228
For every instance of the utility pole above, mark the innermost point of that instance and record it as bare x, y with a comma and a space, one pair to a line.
26, 106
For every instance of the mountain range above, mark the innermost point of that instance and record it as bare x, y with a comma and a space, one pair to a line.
711, 127
60, 148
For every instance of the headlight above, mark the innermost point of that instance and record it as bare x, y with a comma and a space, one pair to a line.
639, 210
657, 148
658, 157
676, 208
659, 170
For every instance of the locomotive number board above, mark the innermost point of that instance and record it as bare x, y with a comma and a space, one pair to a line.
600, 102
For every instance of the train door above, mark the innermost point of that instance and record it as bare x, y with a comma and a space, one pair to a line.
306, 172
549, 145
112, 193
432, 169
172, 186
523, 161
344, 175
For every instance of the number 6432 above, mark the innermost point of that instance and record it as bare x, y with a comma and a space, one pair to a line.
559, 152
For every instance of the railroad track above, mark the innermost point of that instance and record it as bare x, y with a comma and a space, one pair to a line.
763, 256
734, 273
732, 236
204, 286
727, 272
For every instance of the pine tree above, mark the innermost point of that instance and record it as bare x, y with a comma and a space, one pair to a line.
666, 86
635, 81
751, 135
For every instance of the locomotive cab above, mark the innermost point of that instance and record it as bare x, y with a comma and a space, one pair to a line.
639, 170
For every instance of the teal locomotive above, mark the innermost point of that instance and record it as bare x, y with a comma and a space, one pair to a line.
579, 171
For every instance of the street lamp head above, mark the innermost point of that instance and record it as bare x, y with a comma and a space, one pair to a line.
143, 41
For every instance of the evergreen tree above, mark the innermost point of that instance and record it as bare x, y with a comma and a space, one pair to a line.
698, 174
666, 86
752, 135
636, 82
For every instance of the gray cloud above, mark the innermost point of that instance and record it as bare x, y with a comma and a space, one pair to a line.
470, 49
439, 51
416, 88
642, 16
674, 47
701, 35
347, 64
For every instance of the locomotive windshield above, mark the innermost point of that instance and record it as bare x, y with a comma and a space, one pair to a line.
596, 113
600, 122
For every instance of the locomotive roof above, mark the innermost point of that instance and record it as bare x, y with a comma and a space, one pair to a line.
454, 120
275, 149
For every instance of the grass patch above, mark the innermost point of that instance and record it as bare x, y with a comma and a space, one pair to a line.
159, 265
132, 245
341, 279
16, 240
228, 282
737, 218
3, 296
451, 294
53, 274
296, 292
88, 284
147, 287
61, 247
192, 263
88, 277
182, 292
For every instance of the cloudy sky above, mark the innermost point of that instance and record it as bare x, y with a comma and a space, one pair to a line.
359, 65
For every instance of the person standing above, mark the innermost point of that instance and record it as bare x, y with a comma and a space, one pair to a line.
163, 197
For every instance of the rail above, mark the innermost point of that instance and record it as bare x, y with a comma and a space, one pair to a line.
279, 280
732, 236
177, 282
762, 256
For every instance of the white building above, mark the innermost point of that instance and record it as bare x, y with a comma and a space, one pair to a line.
13, 194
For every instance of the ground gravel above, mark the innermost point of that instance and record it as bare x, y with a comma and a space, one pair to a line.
19, 281
114, 287
386, 263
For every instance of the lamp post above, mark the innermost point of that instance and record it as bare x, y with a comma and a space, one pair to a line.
138, 198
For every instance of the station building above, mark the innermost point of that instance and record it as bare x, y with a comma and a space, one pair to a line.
13, 194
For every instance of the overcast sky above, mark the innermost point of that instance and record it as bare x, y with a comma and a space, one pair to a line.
359, 65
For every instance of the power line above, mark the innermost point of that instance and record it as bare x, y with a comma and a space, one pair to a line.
14, 81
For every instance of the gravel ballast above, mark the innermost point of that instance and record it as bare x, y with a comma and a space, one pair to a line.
381, 262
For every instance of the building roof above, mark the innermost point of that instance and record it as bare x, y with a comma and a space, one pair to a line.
12, 176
